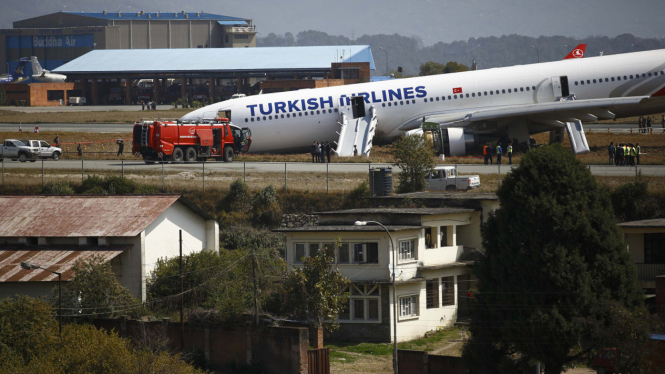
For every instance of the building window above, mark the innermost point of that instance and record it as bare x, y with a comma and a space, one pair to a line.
432, 290
240, 37
299, 252
343, 253
313, 248
407, 250
357, 253
654, 248
447, 291
408, 306
372, 253
429, 240
55, 95
443, 233
363, 303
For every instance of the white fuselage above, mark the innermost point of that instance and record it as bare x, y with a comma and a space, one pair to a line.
293, 120
49, 78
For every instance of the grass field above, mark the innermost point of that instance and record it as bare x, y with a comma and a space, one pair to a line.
111, 116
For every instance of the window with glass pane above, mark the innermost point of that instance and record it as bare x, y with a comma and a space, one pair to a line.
343, 253
372, 253
408, 306
358, 253
654, 248
443, 233
300, 252
432, 290
448, 291
428, 238
406, 250
313, 248
359, 309
373, 309
345, 314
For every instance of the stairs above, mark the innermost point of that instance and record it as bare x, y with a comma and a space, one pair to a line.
357, 132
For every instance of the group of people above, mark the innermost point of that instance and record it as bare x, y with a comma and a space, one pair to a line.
488, 151
644, 124
320, 151
149, 104
624, 154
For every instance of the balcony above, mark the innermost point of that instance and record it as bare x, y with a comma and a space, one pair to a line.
649, 272
239, 29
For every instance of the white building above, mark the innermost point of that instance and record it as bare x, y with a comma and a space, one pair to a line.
132, 232
435, 251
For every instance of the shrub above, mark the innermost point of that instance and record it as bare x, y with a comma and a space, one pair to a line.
266, 211
238, 199
58, 188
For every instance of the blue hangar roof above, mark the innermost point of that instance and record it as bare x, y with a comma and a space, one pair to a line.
156, 16
215, 59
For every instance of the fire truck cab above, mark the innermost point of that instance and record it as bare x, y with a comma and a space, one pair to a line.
176, 141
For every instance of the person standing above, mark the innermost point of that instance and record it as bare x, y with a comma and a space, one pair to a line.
509, 152
328, 151
121, 147
485, 153
647, 128
355, 151
489, 153
499, 152
56, 140
611, 150
662, 121
154, 105
618, 151
313, 152
631, 153
143, 105
322, 147
79, 150
638, 150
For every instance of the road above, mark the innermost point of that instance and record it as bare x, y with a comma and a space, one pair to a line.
300, 167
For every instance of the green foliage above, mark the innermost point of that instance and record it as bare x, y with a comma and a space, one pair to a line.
315, 292
58, 188
112, 185
415, 159
30, 343
94, 291
433, 68
555, 258
238, 199
633, 202
266, 211
355, 197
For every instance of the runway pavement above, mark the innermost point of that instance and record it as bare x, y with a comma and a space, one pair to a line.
80, 108
300, 167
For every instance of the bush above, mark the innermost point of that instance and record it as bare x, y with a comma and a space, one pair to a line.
112, 185
238, 199
266, 211
355, 198
415, 159
633, 202
58, 188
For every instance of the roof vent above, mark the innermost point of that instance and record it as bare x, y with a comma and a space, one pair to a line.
198, 14
186, 15
183, 12
103, 12
138, 14
157, 14
175, 15
119, 14
148, 15
142, 12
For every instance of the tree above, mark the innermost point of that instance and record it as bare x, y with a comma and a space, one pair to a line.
414, 157
554, 262
431, 68
314, 293
94, 291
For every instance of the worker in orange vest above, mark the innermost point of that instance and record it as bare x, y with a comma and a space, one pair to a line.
485, 153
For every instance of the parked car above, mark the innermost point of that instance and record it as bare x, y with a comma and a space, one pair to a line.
446, 178
74, 100
45, 150
15, 149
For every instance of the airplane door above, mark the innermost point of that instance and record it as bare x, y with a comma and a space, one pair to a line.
358, 106
565, 91
556, 87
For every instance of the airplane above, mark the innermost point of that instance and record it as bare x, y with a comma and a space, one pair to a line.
18, 75
577, 52
466, 109
45, 76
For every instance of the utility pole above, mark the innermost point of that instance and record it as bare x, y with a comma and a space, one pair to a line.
256, 295
182, 300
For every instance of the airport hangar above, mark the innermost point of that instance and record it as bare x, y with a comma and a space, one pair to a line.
209, 73
61, 37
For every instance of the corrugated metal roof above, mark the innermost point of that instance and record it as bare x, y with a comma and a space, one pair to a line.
214, 59
647, 223
56, 258
78, 215
232, 23
155, 16
344, 228
412, 211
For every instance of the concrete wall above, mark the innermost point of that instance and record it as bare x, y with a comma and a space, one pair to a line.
635, 244
269, 349
378, 332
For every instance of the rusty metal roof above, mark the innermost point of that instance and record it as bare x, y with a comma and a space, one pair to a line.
80, 215
56, 258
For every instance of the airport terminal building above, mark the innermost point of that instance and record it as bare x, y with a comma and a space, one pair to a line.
61, 37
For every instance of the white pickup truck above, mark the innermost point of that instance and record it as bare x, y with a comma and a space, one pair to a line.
14, 149
45, 150
444, 178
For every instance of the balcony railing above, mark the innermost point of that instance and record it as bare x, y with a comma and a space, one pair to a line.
649, 272
240, 29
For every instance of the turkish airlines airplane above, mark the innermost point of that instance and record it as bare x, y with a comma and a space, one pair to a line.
465, 109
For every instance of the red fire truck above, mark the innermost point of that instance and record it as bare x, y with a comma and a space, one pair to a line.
171, 140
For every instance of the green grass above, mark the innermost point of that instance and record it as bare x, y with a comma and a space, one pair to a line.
378, 349
345, 358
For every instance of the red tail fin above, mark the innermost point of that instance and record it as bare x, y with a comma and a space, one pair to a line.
578, 52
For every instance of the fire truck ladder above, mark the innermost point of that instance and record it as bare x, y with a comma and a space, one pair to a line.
145, 132
357, 132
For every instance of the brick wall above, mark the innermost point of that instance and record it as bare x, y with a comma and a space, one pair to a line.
270, 349
39, 93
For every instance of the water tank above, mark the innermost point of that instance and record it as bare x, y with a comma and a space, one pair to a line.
381, 181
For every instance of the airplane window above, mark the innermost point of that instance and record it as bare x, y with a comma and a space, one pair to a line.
383, 105
631, 77
258, 119
509, 91
413, 101
480, 94
335, 110
594, 81
437, 98
533, 88
503, 91
649, 74
455, 96
318, 112
607, 80
312, 112
246, 120
329, 110
625, 78
264, 118
582, 82
305, 114
389, 104
485, 93
588, 81
448, 97
270, 117
515, 89
643, 75
575, 84
527, 87
491, 92
282, 116
288, 115
473, 94
300, 114
407, 102
467, 96
432, 99
618, 78
612, 79
521, 89
401, 103
252, 119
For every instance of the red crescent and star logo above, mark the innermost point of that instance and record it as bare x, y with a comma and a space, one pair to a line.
578, 53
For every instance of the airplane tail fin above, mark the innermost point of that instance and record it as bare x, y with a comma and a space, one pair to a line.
577, 52
36, 67
20, 69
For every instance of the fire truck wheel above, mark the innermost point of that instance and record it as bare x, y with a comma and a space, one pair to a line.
190, 154
228, 154
178, 155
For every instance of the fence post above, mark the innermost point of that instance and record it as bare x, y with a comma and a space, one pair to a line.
243, 173
163, 187
123, 168
285, 176
327, 182
499, 165
204, 175
3, 172
42, 172
81, 169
